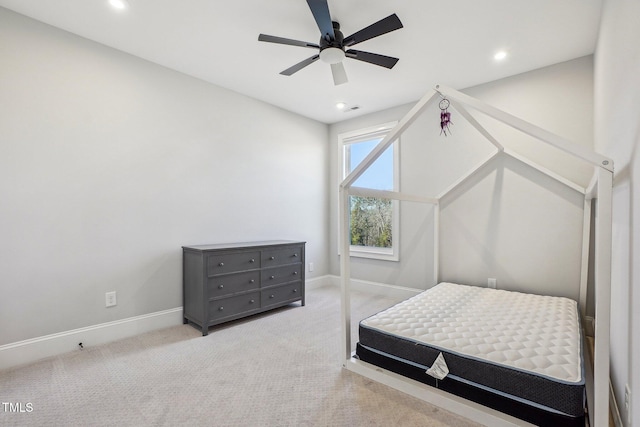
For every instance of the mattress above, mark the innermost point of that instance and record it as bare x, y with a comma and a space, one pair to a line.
515, 352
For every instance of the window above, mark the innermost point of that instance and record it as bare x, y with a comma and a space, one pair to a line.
374, 224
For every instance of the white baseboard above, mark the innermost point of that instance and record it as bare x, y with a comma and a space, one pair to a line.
34, 349
318, 282
31, 350
381, 289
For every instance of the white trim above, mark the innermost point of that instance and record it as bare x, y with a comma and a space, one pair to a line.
436, 244
601, 357
371, 252
366, 134
34, 349
31, 350
318, 282
381, 289
363, 135
345, 273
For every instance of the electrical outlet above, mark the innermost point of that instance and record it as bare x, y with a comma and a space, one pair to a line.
492, 283
310, 266
110, 298
627, 403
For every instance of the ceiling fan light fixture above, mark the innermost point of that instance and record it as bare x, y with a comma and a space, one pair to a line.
332, 55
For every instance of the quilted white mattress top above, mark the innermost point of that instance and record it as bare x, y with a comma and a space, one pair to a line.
532, 333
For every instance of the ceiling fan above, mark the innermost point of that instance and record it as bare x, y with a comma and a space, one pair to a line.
332, 43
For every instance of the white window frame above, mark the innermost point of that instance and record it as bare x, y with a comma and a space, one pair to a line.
361, 135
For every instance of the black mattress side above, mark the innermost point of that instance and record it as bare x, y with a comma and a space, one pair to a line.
564, 397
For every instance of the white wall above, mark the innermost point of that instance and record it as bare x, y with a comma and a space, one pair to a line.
513, 223
109, 164
617, 135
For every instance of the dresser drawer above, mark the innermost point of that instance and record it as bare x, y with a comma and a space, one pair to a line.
232, 261
228, 284
281, 256
278, 275
281, 294
232, 306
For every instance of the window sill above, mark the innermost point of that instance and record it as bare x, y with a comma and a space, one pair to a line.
374, 253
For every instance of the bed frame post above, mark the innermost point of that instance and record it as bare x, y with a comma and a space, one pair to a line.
436, 244
345, 274
599, 415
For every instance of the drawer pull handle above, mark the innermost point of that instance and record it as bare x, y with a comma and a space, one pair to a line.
295, 273
251, 302
221, 308
251, 281
295, 255
221, 286
252, 260
295, 290
272, 296
272, 258
273, 277
221, 264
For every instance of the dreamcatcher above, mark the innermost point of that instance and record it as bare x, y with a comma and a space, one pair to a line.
445, 117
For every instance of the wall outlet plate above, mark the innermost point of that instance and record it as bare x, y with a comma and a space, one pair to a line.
110, 299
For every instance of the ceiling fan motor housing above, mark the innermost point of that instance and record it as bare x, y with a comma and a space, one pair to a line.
331, 49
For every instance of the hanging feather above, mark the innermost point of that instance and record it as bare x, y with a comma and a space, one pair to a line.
445, 117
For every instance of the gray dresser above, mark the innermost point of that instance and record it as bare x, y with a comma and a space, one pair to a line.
225, 282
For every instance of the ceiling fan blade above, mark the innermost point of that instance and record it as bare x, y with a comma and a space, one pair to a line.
383, 26
372, 58
339, 74
282, 40
320, 10
300, 65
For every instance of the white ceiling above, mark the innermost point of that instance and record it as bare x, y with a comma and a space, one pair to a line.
443, 42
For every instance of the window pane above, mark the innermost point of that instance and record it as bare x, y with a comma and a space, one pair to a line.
371, 222
380, 174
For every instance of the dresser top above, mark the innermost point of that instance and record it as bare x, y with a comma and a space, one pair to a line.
241, 245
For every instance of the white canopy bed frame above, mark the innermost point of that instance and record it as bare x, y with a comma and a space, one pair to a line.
600, 189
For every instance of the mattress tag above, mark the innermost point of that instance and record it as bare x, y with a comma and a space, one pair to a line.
439, 369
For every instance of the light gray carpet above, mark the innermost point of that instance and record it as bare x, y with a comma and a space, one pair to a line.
280, 368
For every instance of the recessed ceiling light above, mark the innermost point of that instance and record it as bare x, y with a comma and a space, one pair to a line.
341, 105
119, 4
500, 55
